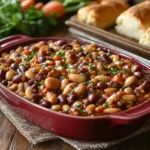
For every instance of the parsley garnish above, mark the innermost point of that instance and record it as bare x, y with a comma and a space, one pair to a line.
105, 105
28, 58
61, 54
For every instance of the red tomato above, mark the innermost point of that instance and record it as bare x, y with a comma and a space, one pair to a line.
54, 7
26, 4
38, 6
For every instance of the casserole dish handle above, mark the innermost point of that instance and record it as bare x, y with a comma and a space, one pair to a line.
8, 41
132, 115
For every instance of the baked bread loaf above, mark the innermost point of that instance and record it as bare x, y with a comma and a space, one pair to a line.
145, 38
103, 14
134, 21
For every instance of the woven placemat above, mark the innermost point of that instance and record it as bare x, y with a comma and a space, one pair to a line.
37, 135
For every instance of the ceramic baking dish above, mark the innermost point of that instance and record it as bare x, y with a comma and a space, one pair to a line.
98, 128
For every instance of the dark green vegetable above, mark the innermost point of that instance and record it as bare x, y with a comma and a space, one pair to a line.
31, 22
73, 5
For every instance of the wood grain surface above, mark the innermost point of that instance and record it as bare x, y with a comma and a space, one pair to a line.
11, 139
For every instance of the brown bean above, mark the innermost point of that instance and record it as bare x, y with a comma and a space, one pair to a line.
68, 88
30, 74
51, 97
10, 74
80, 89
28, 93
56, 107
64, 83
111, 110
90, 109
111, 90
77, 78
52, 83
129, 97
65, 108
103, 78
130, 80
128, 90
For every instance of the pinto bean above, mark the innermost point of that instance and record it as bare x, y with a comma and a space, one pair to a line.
130, 80
77, 78
65, 108
111, 110
28, 93
128, 90
52, 83
51, 97
56, 107
81, 88
10, 74
103, 78
90, 109
64, 83
129, 98
111, 90
30, 74
115, 58
68, 88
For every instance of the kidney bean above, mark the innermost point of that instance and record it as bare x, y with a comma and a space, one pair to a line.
62, 99
4, 82
24, 79
61, 42
66, 47
138, 74
23, 69
136, 68
115, 84
50, 49
71, 99
2, 74
92, 98
45, 103
31, 82
33, 49
42, 59
101, 101
17, 78
81, 54
145, 86
104, 57
101, 85
14, 66
39, 77
36, 96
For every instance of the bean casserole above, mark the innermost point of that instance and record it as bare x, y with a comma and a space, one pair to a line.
73, 78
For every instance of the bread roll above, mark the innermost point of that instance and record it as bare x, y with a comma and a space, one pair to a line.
102, 14
134, 21
145, 38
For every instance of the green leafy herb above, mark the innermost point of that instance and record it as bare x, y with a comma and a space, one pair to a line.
28, 58
61, 54
15, 21
106, 105
83, 74
42, 82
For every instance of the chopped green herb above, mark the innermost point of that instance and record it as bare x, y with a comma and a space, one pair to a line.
83, 74
144, 78
43, 65
28, 58
42, 82
121, 89
61, 54
78, 105
108, 54
106, 105
70, 66
114, 70
87, 83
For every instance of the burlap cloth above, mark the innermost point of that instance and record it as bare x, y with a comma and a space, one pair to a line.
36, 135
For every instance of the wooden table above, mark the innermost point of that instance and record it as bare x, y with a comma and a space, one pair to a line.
11, 139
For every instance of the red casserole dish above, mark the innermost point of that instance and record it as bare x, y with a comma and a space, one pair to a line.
98, 128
